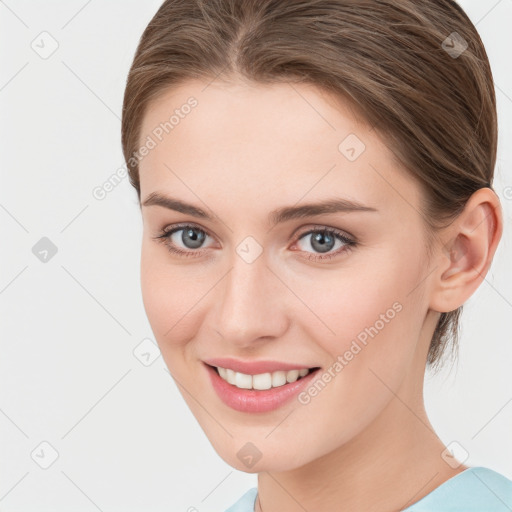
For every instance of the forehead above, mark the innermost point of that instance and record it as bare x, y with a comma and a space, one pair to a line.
268, 143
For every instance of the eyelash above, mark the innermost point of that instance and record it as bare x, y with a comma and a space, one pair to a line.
166, 233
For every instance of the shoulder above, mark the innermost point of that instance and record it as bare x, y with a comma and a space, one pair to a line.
246, 502
477, 489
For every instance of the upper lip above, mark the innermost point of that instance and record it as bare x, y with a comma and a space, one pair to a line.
254, 367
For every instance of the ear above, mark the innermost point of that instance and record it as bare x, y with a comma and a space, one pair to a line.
468, 247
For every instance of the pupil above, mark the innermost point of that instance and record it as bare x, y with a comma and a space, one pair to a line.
192, 240
324, 240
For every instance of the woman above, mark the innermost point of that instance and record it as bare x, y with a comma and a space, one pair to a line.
315, 182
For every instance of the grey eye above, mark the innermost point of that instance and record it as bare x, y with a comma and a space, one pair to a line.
321, 241
191, 238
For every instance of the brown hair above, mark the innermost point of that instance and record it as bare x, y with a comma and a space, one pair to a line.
397, 62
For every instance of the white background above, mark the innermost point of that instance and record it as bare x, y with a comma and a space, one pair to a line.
125, 439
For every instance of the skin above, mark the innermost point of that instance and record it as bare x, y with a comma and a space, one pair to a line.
245, 150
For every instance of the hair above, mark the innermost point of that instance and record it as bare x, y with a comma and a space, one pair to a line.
389, 59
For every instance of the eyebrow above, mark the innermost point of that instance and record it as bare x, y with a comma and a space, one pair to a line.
280, 215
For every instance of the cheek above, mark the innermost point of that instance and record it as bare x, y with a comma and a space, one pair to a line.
368, 304
376, 323
169, 292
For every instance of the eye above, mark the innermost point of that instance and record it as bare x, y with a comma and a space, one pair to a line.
184, 240
188, 239
323, 240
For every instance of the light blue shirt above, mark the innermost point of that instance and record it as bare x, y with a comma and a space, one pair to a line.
476, 489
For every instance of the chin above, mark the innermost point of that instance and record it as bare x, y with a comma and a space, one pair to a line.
249, 457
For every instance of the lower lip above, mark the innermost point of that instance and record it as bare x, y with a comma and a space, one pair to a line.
251, 400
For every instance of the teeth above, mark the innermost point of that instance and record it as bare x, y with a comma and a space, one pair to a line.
263, 380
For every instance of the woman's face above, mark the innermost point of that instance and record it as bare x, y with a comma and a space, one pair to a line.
252, 289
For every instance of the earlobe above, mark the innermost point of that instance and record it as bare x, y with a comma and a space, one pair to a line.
466, 256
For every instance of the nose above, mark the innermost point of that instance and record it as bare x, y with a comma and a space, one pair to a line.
251, 304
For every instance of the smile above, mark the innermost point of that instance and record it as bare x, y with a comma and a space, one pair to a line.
261, 381
262, 392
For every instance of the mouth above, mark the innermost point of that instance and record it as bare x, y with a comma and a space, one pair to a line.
259, 392
262, 381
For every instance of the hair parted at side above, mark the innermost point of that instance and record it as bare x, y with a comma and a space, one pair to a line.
435, 111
